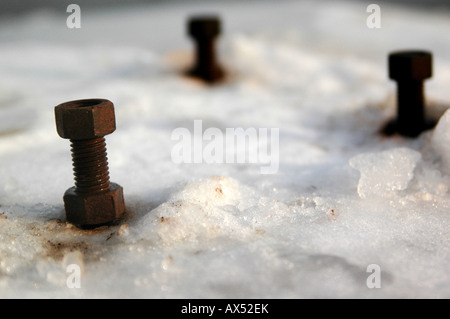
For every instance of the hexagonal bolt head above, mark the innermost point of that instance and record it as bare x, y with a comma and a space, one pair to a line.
85, 119
410, 65
204, 26
89, 211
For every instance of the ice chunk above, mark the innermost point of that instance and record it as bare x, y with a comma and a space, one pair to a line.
385, 172
441, 141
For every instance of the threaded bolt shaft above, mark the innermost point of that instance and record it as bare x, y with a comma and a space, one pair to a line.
90, 165
206, 62
410, 108
409, 69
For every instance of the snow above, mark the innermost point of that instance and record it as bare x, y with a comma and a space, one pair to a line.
440, 138
384, 172
344, 197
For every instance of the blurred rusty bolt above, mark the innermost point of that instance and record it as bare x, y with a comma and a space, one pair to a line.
94, 201
204, 30
409, 69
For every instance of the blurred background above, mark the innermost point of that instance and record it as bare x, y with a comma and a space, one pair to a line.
8, 7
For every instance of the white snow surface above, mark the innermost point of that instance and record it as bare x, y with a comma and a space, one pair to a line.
344, 197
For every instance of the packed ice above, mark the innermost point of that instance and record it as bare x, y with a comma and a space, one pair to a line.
345, 197
386, 171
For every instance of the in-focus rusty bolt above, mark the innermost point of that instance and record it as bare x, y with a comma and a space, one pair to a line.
409, 69
94, 201
204, 30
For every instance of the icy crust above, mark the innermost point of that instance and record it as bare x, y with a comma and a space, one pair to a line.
201, 211
227, 239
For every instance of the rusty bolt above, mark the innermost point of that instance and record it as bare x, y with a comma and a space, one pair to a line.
94, 201
204, 30
409, 69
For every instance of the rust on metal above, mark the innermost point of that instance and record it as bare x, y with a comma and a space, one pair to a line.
409, 69
94, 200
204, 30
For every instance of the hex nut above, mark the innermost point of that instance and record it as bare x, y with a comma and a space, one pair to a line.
204, 26
94, 209
85, 119
410, 65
